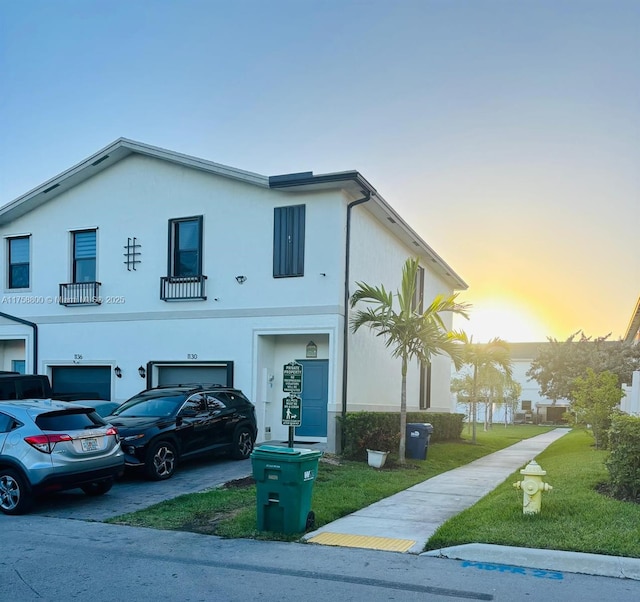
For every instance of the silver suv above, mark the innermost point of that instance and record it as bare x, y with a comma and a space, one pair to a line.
48, 446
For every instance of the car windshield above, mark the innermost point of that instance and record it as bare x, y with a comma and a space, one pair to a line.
144, 405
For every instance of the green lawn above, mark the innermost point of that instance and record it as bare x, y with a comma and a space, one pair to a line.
574, 515
232, 512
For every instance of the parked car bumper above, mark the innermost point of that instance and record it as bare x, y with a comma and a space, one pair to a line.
59, 482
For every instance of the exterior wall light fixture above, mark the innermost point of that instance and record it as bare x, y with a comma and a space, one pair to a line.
118, 371
241, 279
142, 372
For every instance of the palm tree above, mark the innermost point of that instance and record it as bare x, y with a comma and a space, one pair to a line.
482, 356
407, 332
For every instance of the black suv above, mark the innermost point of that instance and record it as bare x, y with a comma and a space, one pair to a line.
161, 426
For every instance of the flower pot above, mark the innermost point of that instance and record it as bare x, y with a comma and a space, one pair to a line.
376, 458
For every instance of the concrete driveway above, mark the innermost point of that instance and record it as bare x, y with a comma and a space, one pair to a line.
132, 492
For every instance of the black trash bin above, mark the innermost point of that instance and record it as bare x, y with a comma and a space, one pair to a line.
417, 440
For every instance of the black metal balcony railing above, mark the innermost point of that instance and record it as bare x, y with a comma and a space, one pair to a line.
80, 293
182, 288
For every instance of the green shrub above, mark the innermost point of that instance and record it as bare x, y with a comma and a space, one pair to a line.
369, 430
623, 463
381, 430
446, 427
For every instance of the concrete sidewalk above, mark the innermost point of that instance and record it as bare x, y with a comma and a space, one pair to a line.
405, 521
413, 515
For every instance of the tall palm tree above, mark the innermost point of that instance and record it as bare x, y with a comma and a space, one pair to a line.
483, 356
407, 332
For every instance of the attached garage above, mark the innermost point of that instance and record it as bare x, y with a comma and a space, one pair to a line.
88, 382
172, 373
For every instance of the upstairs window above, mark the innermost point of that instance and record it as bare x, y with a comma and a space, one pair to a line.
19, 251
288, 241
84, 256
425, 386
417, 303
185, 247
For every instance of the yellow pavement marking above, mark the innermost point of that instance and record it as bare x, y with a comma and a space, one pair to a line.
363, 541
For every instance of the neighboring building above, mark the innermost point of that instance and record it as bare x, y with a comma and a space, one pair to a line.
633, 330
631, 401
532, 406
141, 266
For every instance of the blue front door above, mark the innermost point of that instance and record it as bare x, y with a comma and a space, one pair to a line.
314, 398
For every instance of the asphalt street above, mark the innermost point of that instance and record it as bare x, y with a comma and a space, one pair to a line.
54, 559
145, 559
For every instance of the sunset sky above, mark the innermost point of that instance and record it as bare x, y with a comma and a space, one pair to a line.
506, 133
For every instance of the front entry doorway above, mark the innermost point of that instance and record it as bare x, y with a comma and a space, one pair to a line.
314, 398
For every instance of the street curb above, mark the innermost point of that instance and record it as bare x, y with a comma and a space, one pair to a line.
551, 560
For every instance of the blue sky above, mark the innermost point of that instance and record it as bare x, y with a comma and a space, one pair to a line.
507, 133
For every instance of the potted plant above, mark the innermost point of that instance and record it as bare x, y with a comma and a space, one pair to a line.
376, 458
378, 442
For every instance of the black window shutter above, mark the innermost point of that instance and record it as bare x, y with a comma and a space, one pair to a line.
288, 241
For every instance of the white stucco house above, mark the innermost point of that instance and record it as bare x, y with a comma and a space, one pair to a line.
140, 266
532, 405
630, 403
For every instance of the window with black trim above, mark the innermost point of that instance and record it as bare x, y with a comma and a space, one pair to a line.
425, 386
19, 263
84, 256
417, 303
185, 247
288, 241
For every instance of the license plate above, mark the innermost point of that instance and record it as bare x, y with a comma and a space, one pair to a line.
89, 444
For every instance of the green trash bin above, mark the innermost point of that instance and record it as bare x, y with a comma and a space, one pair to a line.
284, 483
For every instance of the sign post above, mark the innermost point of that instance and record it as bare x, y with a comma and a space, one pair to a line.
291, 405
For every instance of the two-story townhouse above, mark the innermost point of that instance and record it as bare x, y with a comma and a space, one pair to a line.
141, 266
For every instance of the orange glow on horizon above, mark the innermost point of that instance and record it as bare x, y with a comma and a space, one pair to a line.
512, 321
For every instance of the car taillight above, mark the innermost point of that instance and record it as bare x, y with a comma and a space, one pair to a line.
46, 443
112, 430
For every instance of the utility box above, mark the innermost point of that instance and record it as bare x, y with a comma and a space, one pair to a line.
284, 484
417, 436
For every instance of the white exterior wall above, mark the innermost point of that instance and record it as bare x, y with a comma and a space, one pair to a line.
377, 257
137, 197
630, 403
259, 325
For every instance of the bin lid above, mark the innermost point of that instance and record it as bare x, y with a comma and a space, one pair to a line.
289, 452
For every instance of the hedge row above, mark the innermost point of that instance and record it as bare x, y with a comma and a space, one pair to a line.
381, 430
623, 462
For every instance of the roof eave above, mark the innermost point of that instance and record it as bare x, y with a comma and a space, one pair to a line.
634, 325
106, 157
354, 182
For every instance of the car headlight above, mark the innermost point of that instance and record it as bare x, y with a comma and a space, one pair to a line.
133, 437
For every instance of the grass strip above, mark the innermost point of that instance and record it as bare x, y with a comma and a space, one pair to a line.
574, 515
341, 487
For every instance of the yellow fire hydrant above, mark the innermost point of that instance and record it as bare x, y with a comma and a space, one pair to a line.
532, 486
